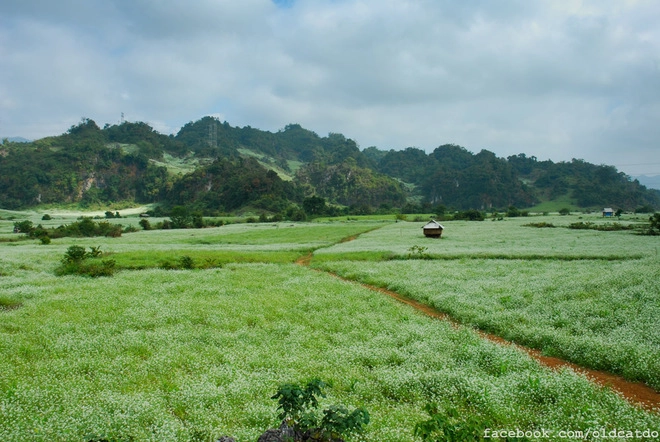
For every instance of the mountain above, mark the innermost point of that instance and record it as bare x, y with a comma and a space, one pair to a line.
15, 140
212, 167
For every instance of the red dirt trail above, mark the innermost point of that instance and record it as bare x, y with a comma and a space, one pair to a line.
635, 392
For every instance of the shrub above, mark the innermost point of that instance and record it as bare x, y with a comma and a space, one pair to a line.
298, 406
46, 217
24, 227
186, 262
145, 224
418, 252
75, 262
470, 215
74, 254
539, 225
451, 425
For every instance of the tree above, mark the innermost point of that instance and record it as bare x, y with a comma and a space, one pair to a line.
314, 205
180, 217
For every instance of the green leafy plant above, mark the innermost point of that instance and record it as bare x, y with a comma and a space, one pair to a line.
418, 252
186, 262
295, 401
338, 421
298, 406
450, 425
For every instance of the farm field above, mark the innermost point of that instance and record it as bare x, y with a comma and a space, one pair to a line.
190, 355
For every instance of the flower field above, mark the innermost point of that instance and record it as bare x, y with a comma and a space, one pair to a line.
190, 355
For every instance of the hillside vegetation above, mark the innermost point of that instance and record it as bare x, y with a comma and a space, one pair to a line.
212, 167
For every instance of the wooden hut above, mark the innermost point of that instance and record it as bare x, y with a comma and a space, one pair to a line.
433, 229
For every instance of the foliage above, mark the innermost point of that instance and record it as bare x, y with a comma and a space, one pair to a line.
654, 226
77, 261
182, 356
145, 224
564, 211
273, 171
450, 425
418, 252
298, 408
607, 227
470, 215
295, 402
74, 254
84, 227
542, 224
186, 262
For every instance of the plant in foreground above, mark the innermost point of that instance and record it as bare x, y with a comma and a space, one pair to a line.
298, 410
450, 425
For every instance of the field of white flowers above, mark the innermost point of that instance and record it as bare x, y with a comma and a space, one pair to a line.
190, 355
507, 238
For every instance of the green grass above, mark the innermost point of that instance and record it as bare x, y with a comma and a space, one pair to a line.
503, 239
555, 205
137, 260
177, 165
598, 314
190, 355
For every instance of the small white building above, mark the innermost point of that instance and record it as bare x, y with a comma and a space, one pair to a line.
433, 229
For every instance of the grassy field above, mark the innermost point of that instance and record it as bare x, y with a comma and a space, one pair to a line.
190, 355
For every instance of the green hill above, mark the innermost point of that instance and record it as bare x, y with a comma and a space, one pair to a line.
214, 167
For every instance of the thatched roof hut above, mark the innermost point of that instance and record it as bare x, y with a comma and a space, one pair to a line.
433, 229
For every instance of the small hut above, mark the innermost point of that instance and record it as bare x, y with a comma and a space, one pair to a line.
433, 229
608, 212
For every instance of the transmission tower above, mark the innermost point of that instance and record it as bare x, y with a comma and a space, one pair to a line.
213, 135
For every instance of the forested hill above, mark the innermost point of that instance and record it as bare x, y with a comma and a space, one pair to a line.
213, 167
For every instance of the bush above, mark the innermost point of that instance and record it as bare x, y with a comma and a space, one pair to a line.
145, 224
74, 254
539, 225
298, 406
186, 262
451, 425
470, 215
76, 261
24, 227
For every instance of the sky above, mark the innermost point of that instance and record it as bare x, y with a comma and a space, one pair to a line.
554, 79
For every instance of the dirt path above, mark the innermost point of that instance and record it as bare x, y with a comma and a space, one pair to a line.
635, 392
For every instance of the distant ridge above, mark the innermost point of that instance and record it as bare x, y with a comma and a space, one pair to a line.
214, 168
15, 139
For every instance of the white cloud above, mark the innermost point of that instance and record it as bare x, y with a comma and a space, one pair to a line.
553, 79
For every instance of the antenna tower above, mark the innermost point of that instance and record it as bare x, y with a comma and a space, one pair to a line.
213, 134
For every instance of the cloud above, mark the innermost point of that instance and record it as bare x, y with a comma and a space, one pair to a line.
550, 78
